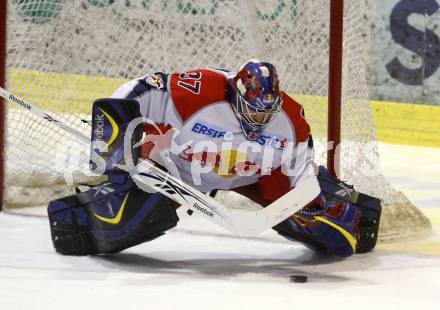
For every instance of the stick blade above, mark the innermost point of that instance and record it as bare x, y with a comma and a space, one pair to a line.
292, 201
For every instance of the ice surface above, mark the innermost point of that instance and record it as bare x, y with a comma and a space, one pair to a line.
194, 270
414, 171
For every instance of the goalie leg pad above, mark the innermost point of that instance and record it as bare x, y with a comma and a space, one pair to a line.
330, 227
108, 219
341, 221
369, 207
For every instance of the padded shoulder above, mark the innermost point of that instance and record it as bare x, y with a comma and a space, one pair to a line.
196, 89
295, 112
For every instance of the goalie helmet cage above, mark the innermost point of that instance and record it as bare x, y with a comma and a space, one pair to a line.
62, 55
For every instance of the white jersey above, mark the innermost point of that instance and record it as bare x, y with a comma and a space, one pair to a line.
209, 149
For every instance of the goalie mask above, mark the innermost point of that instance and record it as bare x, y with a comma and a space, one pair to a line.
255, 96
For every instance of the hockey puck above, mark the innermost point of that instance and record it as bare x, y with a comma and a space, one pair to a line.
298, 278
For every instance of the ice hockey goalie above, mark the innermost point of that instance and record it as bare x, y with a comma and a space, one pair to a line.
223, 130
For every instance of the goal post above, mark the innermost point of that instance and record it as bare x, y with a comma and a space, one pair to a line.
62, 55
2, 84
336, 30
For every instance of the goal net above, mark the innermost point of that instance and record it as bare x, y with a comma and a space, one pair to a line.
62, 55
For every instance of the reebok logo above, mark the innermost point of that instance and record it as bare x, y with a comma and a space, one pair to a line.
99, 127
203, 210
20, 102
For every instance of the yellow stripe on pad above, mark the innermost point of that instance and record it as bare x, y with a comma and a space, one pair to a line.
118, 216
351, 240
115, 128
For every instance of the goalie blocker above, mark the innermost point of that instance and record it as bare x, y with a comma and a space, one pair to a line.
110, 122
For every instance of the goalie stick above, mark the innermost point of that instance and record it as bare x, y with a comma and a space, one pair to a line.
240, 223
20, 102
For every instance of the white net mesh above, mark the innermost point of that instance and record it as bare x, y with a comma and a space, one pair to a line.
62, 55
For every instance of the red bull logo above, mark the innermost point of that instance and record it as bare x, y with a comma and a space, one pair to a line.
227, 163
154, 81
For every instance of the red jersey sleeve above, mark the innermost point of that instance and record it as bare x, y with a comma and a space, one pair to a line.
295, 112
193, 90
